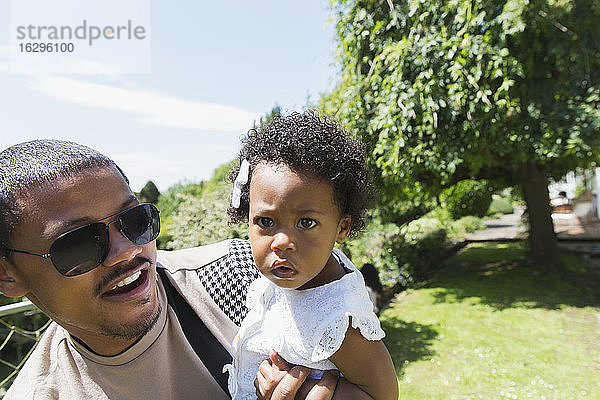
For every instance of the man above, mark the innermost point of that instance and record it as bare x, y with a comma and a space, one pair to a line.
75, 240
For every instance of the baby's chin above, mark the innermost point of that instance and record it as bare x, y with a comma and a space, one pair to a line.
286, 279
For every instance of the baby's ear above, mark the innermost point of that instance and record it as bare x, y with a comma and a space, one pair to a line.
343, 228
11, 283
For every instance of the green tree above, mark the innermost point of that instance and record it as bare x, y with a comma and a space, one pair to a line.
194, 214
442, 91
220, 175
149, 193
203, 219
268, 117
169, 202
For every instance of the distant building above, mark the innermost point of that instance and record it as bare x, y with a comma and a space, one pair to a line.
595, 187
582, 191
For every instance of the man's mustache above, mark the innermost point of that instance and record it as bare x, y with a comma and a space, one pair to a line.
120, 270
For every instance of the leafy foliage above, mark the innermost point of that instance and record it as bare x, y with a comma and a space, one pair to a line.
468, 197
469, 89
462, 88
500, 205
407, 254
169, 202
149, 193
203, 220
374, 246
195, 214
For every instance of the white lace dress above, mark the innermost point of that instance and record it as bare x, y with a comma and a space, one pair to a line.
304, 326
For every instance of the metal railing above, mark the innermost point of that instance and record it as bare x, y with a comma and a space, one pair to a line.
20, 330
16, 308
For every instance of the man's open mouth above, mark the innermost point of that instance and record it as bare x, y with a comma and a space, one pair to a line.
128, 284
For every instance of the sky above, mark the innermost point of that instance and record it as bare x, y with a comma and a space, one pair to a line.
213, 68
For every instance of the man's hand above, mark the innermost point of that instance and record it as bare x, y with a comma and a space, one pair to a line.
279, 380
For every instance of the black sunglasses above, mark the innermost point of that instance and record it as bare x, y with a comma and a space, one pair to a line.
82, 249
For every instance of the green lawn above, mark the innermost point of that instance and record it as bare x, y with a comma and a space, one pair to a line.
492, 326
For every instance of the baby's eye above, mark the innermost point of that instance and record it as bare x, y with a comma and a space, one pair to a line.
264, 222
307, 223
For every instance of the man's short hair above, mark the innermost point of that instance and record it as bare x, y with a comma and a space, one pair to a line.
30, 164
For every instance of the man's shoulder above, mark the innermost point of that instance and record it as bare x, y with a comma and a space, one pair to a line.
224, 270
37, 375
236, 253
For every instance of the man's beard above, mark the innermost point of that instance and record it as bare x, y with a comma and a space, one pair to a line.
145, 323
136, 330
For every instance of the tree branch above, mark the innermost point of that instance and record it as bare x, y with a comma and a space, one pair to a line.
557, 24
394, 19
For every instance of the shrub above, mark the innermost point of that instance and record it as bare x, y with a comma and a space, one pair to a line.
169, 202
203, 220
166, 232
464, 225
468, 198
375, 246
402, 255
407, 254
421, 243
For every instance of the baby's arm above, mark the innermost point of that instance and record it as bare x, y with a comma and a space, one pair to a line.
367, 364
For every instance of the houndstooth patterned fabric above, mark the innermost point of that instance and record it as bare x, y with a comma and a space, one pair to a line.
227, 279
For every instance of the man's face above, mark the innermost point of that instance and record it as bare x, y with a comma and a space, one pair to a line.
105, 318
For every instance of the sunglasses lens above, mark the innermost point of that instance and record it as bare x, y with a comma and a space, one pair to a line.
83, 249
80, 250
141, 224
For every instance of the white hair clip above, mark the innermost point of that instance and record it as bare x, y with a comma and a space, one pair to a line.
240, 180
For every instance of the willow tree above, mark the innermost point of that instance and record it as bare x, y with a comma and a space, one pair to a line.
442, 91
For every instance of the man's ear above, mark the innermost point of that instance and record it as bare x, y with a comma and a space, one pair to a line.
11, 283
343, 229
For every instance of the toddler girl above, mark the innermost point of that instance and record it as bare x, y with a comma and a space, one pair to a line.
303, 186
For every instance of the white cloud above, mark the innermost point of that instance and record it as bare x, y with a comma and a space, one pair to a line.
32, 64
150, 108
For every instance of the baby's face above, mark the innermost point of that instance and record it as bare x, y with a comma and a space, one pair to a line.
294, 224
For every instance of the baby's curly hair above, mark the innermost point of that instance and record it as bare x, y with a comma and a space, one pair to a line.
310, 144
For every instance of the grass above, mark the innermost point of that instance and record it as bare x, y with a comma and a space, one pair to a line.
490, 325
500, 205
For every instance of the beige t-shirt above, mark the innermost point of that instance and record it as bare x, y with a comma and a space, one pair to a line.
162, 365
